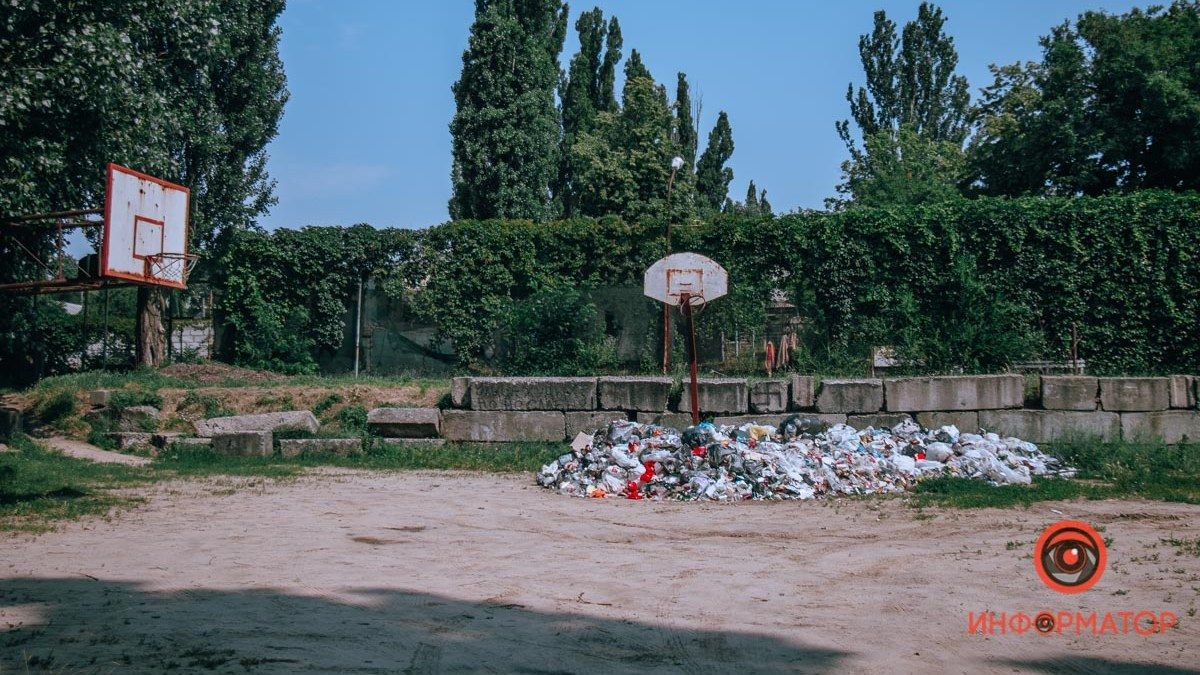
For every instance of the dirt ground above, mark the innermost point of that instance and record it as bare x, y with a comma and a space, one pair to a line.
446, 572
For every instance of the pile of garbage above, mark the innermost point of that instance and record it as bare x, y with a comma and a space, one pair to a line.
801, 459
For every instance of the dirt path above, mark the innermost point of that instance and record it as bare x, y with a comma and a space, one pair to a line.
81, 450
435, 572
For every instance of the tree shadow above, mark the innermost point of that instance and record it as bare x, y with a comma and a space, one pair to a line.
105, 626
1092, 664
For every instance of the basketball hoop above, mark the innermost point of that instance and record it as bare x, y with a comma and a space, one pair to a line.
170, 266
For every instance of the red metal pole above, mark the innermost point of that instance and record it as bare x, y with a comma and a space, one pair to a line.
686, 301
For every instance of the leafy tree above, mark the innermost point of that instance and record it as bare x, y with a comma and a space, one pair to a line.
764, 206
608, 67
189, 90
505, 132
904, 168
910, 85
684, 131
712, 176
751, 204
1113, 104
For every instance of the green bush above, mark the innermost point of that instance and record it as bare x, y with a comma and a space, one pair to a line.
353, 418
555, 332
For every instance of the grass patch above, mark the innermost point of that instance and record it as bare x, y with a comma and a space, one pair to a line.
1186, 546
969, 493
38, 486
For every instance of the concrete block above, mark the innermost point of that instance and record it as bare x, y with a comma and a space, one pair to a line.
1183, 391
769, 396
878, 420
716, 396
192, 442
850, 396
776, 419
671, 420
242, 443
648, 394
137, 418
1044, 426
423, 442
164, 438
803, 392
966, 420
10, 423
955, 392
291, 420
1069, 392
292, 447
1168, 426
404, 422
1135, 394
131, 439
460, 392
500, 426
98, 398
533, 393
588, 421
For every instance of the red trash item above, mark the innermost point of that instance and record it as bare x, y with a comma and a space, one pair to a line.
699, 451
631, 490
649, 474
919, 456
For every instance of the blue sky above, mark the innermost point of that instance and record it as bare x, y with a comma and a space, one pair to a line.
365, 135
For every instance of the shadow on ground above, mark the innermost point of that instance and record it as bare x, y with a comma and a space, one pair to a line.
102, 626
1088, 664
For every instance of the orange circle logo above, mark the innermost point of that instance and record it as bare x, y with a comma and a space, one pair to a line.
1070, 556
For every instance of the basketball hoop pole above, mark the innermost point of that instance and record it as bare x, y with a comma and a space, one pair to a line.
686, 302
676, 163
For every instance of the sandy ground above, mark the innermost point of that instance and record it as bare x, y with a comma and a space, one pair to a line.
445, 572
81, 450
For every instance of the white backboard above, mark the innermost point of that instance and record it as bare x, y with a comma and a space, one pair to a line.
692, 274
144, 217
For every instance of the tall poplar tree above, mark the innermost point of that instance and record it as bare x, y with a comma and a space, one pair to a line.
505, 133
712, 176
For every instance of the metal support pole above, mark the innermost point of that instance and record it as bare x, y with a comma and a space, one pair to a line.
358, 328
686, 303
104, 349
666, 362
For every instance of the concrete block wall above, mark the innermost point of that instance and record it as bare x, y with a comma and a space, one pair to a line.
491, 409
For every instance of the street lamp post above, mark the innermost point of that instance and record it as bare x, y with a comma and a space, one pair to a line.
676, 165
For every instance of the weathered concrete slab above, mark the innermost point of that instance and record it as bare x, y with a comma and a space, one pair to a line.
533, 393
291, 420
672, 420
646, 394
850, 396
192, 442
137, 418
776, 419
242, 443
588, 421
292, 447
1183, 391
1168, 426
966, 420
877, 420
803, 392
501, 426
404, 422
98, 398
1044, 426
424, 442
955, 392
769, 396
1070, 392
126, 440
460, 392
10, 422
162, 439
1135, 394
716, 396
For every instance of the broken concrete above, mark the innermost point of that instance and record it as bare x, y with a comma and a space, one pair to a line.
10, 422
501, 426
191, 442
955, 392
1135, 394
1069, 392
777, 419
137, 418
803, 392
877, 420
162, 439
291, 420
426, 442
716, 396
242, 443
292, 447
460, 392
1183, 391
404, 422
646, 394
98, 398
533, 393
671, 420
965, 420
126, 440
850, 396
588, 421
769, 396
1045, 426
1168, 426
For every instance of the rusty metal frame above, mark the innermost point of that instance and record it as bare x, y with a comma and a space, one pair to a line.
60, 221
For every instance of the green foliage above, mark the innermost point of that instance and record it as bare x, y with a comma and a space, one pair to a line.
208, 404
1113, 104
128, 398
912, 115
61, 405
712, 176
505, 132
326, 402
555, 331
353, 418
37, 338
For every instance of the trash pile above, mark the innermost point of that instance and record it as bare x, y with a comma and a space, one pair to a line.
801, 459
